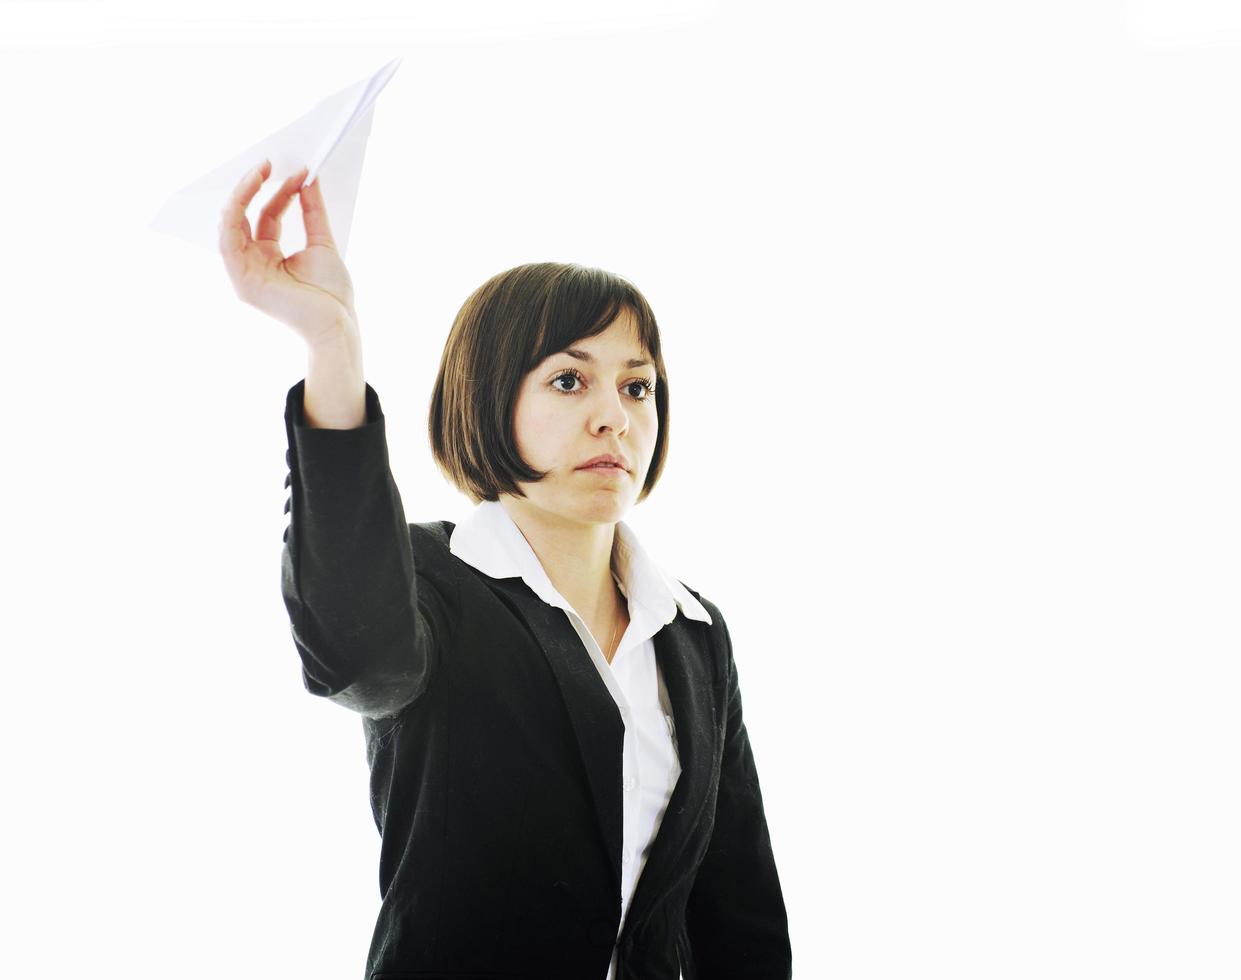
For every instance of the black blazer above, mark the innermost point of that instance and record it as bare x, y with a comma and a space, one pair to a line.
495, 752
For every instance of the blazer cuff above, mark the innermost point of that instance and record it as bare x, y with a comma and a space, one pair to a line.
295, 408
334, 468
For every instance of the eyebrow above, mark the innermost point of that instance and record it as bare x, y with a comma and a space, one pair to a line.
582, 355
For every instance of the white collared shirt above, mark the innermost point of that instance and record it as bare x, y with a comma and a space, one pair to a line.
490, 541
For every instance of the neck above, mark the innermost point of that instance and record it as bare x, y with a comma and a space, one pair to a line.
576, 556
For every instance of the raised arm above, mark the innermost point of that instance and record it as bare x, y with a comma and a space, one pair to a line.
365, 627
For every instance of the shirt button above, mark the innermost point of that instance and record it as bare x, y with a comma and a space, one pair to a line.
628, 784
625, 858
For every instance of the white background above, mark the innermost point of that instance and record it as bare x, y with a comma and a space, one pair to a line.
949, 304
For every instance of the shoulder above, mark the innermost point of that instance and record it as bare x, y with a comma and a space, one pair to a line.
716, 631
431, 536
433, 562
717, 618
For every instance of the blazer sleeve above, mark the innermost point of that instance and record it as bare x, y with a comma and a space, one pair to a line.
735, 918
363, 623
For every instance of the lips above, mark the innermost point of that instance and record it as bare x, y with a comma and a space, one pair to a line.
618, 462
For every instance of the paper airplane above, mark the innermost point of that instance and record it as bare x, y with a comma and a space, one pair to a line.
330, 139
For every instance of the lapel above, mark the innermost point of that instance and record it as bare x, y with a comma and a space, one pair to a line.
682, 654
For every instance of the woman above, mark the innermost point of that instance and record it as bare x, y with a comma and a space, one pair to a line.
560, 772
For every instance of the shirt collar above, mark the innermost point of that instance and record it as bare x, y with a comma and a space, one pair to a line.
490, 541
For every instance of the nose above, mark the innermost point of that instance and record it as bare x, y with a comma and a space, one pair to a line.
610, 414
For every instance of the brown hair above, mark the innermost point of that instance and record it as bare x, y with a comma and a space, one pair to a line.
505, 329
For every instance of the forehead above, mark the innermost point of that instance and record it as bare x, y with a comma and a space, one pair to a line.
619, 343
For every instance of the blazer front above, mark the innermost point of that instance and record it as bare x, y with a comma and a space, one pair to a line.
495, 752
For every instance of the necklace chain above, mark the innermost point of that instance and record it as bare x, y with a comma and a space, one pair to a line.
612, 650
613, 640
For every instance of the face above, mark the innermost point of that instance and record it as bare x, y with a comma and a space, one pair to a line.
571, 409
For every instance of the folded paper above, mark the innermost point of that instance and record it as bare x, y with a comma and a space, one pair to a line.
330, 139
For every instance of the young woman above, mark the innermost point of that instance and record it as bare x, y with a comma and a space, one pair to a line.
560, 773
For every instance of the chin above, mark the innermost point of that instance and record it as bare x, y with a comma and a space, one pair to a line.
596, 506
572, 500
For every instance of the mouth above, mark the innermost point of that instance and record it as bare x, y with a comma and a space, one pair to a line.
602, 468
606, 461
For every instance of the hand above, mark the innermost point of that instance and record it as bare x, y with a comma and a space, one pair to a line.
311, 290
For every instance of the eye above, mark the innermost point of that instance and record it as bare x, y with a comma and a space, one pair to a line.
648, 387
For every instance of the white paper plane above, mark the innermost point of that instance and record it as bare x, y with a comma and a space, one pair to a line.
330, 139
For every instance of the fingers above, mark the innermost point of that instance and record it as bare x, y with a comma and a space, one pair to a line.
314, 215
269, 218
234, 227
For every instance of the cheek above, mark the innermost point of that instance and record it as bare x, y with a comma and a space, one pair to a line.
646, 427
539, 430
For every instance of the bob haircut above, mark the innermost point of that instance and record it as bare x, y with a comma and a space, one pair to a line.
506, 328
